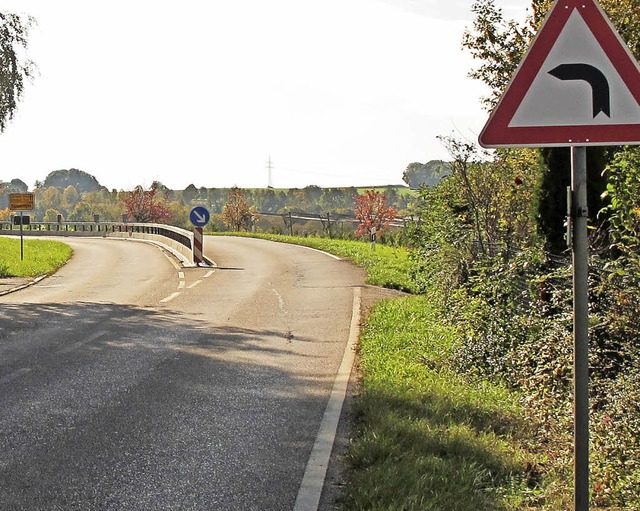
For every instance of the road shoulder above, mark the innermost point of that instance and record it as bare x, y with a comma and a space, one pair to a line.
337, 476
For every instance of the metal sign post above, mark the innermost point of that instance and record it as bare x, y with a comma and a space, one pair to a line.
21, 202
21, 238
580, 250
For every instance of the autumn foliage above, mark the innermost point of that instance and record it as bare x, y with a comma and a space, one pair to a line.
147, 205
371, 211
237, 214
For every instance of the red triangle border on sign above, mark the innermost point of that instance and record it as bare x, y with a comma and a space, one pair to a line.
498, 133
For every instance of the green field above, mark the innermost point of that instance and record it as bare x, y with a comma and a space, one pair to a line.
41, 257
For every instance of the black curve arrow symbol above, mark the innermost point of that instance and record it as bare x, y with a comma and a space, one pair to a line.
594, 77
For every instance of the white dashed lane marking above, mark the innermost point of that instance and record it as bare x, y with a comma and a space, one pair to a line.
182, 284
80, 343
170, 297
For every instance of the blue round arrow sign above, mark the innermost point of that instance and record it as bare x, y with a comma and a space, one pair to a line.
199, 216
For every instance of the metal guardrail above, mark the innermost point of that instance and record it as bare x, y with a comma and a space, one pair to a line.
176, 239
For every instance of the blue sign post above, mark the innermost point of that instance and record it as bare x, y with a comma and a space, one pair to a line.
199, 216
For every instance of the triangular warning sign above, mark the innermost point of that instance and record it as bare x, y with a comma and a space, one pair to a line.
577, 85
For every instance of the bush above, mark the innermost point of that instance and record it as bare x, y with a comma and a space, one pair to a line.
521, 336
614, 432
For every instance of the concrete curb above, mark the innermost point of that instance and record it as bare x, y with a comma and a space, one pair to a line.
23, 286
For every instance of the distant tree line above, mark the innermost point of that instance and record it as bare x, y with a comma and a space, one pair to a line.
75, 195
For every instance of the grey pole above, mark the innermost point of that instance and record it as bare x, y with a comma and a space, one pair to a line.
580, 327
21, 237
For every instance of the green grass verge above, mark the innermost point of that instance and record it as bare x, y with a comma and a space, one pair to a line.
426, 439
385, 266
41, 257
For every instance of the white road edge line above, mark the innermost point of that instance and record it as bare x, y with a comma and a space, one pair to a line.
321, 252
314, 475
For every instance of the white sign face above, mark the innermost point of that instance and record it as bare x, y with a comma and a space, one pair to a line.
551, 101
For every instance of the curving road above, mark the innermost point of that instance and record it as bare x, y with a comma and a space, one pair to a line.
129, 383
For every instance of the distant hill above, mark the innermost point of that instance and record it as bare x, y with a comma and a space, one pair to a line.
82, 181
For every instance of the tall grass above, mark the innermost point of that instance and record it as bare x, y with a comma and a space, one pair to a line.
426, 439
41, 257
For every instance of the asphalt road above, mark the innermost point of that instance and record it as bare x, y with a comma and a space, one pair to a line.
128, 383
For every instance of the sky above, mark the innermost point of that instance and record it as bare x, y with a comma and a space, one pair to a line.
207, 92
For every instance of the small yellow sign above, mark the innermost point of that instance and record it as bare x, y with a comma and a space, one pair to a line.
21, 202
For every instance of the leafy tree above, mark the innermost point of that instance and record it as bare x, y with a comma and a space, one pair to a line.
495, 195
146, 205
339, 200
79, 179
180, 214
312, 193
50, 198
15, 186
217, 198
189, 194
498, 44
236, 214
81, 213
439, 237
430, 173
310, 199
51, 215
18, 186
102, 204
14, 68
70, 197
268, 201
625, 15
371, 211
